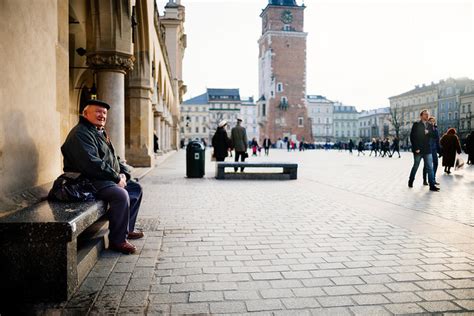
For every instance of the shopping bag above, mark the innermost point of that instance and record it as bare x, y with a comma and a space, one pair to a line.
459, 163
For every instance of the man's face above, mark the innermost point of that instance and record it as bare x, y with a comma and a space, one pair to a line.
424, 116
432, 121
97, 115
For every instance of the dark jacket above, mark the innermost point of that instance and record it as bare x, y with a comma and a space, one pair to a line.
239, 138
419, 139
88, 152
221, 143
434, 142
450, 144
267, 143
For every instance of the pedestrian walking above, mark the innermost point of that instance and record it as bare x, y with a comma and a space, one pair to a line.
254, 146
266, 145
469, 149
156, 147
373, 148
351, 145
221, 142
435, 151
396, 147
301, 146
420, 135
360, 148
377, 147
239, 142
288, 145
386, 148
450, 146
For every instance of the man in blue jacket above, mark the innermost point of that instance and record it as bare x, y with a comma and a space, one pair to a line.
421, 133
89, 151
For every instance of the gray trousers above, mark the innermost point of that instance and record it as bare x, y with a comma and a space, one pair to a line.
123, 209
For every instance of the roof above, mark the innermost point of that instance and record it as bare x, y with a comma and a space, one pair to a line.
200, 99
418, 89
318, 98
214, 95
385, 110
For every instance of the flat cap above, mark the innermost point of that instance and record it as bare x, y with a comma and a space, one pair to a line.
98, 103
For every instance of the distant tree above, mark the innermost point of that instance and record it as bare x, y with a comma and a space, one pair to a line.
396, 118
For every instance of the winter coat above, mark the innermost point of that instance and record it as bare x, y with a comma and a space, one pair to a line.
450, 145
221, 143
88, 152
419, 139
239, 138
434, 142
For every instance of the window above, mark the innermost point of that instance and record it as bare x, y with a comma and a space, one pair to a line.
449, 116
204, 130
455, 115
287, 28
197, 129
280, 87
300, 122
264, 109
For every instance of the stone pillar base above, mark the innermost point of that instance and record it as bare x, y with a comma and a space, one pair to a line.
139, 158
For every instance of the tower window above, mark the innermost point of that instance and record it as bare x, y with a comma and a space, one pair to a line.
287, 28
300, 121
280, 87
264, 109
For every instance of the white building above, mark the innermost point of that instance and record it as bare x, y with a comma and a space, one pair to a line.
201, 115
374, 124
321, 111
345, 122
248, 113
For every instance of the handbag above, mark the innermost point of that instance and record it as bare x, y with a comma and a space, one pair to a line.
246, 154
459, 163
72, 187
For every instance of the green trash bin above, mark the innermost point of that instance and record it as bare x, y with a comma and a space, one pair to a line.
195, 159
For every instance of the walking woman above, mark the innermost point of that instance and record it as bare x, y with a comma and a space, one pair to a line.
450, 146
221, 142
254, 146
470, 148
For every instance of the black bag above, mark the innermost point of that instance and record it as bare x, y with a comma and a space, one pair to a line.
246, 155
72, 187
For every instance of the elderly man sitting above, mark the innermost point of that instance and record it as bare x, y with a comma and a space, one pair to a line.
89, 151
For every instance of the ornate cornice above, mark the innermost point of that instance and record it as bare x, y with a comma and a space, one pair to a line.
110, 61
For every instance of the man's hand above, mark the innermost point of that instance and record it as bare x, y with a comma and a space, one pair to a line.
123, 181
417, 151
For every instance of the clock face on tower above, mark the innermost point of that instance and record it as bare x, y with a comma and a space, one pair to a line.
286, 17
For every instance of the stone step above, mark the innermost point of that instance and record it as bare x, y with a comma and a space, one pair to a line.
89, 246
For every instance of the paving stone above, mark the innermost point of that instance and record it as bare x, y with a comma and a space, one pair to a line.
266, 276
466, 304
300, 303
434, 295
462, 294
403, 287
206, 296
340, 290
404, 309
402, 297
335, 301
372, 288
189, 308
433, 285
439, 306
227, 307
241, 295
276, 293
169, 298
134, 298
186, 287
369, 311
263, 305
308, 292
371, 299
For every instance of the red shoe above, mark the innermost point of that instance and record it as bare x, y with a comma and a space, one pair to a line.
135, 235
125, 247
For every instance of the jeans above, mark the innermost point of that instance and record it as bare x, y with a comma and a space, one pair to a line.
435, 167
428, 164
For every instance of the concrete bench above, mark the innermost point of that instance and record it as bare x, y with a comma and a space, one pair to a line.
47, 249
290, 171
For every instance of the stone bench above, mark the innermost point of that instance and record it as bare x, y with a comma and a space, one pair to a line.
290, 171
47, 249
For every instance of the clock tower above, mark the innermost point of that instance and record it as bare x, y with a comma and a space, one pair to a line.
282, 109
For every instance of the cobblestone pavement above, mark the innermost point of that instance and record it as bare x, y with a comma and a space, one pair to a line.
347, 238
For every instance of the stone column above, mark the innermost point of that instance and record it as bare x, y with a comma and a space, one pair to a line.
110, 71
110, 88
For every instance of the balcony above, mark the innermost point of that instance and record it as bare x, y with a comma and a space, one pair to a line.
283, 105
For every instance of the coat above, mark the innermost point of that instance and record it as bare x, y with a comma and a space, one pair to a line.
88, 152
434, 142
419, 139
221, 143
267, 143
450, 145
239, 138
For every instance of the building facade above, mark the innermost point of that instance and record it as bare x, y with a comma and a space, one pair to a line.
405, 108
466, 107
345, 123
248, 113
374, 124
282, 72
321, 112
202, 114
449, 93
113, 50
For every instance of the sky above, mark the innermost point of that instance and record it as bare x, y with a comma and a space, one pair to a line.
359, 52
